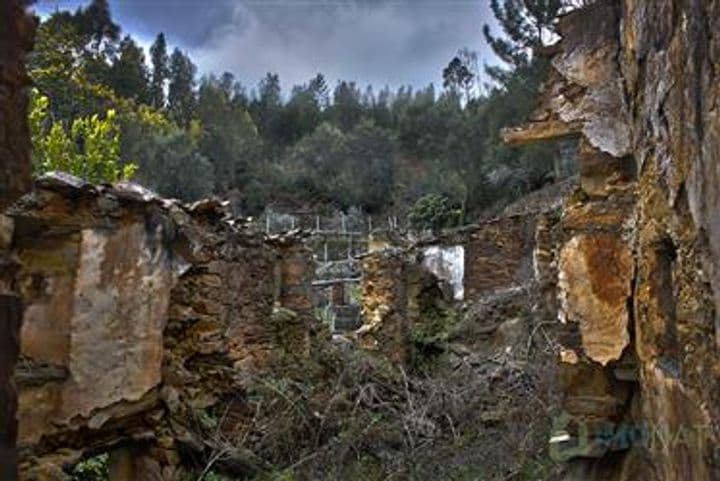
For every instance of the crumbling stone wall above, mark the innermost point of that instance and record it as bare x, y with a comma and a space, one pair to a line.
17, 32
503, 258
385, 286
141, 314
498, 255
669, 61
638, 265
498, 332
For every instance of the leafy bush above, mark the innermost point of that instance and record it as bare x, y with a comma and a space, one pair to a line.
92, 469
434, 212
90, 149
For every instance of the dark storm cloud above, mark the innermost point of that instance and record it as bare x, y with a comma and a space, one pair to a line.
188, 22
378, 42
371, 41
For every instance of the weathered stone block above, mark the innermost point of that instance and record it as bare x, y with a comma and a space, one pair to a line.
385, 304
595, 282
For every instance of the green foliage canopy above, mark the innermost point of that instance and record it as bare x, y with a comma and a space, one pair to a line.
312, 145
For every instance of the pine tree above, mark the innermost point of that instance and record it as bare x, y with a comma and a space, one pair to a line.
347, 108
160, 71
526, 24
267, 108
302, 113
181, 91
96, 21
128, 75
457, 77
319, 87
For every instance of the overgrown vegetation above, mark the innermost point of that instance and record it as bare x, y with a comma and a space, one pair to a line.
348, 415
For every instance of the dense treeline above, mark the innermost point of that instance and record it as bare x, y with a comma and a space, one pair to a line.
314, 144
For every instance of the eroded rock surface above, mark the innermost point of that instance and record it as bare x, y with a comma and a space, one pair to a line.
640, 92
669, 60
17, 36
142, 312
595, 283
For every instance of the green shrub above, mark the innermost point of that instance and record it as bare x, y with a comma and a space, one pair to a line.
433, 211
92, 469
89, 150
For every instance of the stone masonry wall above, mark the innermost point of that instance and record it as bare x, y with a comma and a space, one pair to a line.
670, 58
638, 272
141, 313
385, 286
500, 257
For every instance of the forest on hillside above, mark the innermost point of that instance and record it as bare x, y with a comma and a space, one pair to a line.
104, 109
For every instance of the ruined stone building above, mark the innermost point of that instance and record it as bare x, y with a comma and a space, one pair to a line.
161, 309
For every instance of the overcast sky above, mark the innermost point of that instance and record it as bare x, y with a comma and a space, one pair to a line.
381, 42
